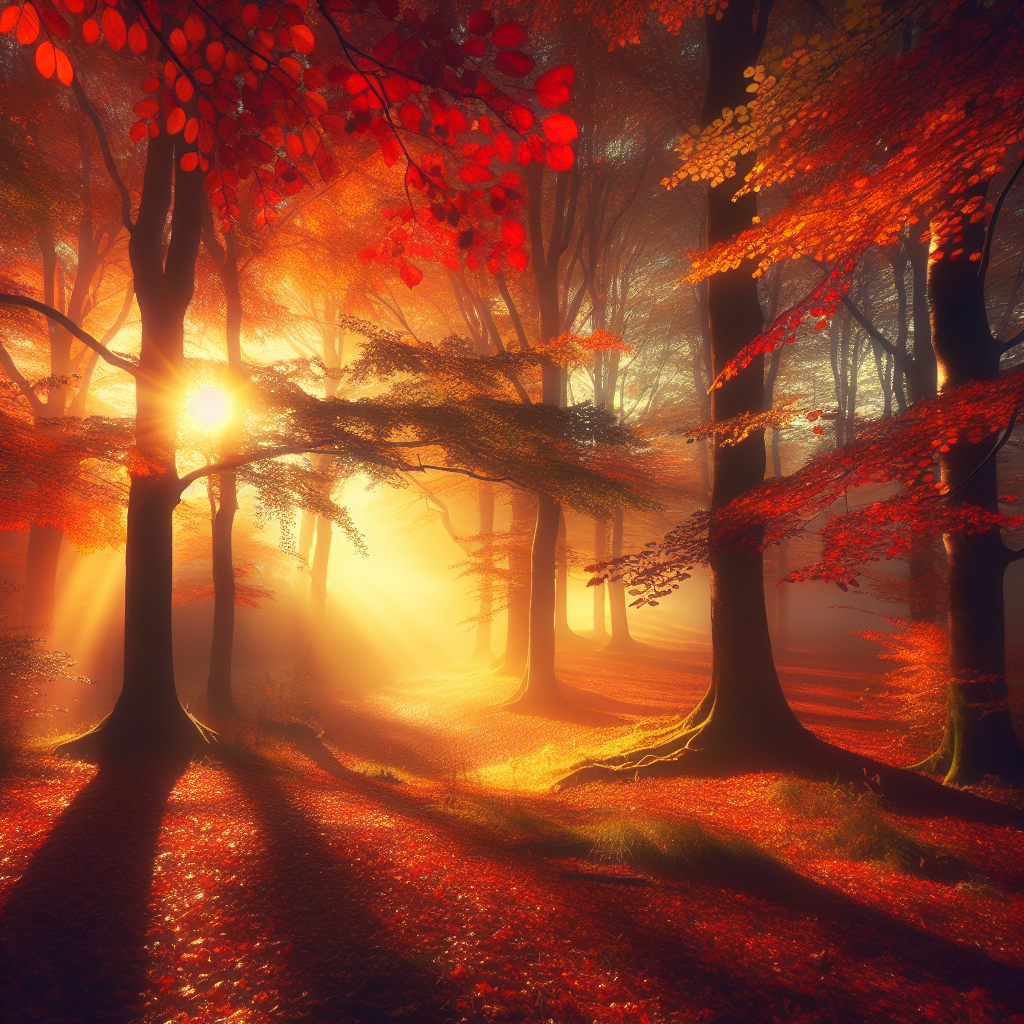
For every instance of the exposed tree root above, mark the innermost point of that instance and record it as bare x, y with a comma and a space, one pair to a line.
807, 756
177, 737
552, 703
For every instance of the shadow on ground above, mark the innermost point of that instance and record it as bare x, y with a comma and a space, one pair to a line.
74, 926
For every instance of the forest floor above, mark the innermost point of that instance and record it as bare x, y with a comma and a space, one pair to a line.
413, 865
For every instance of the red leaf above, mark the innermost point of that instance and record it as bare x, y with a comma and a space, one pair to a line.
509, 33
46, 62
514, 64
302, 38
559, 158
28, 25
65, 72
54, 23
137, 38
114, 29
190, 161
90, 30
512, 233
146, 108
560, 129
411, 275
175, 121
9, 18
554, 87
480, 23
519, 117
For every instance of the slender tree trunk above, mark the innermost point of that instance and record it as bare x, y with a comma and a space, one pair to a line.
922, 382
482, 644
517, 641
979, 739
307, 527
621, 637
219, 700
600, 553
44, 544
538, 691
321, 558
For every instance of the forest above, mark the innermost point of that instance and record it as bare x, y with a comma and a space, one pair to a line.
509, 511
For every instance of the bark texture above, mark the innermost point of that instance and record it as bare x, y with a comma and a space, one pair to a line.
979, 739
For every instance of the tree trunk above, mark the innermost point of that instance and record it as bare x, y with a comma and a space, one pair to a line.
600, 553
538, 692
979, 739
148, 717
321, 558
744, 709
219, 700
617, 592
41, 577
307, 526
517, 640
482, 644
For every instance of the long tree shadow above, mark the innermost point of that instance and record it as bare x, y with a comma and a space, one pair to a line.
73, 928
860, 935
331, 920
340, 966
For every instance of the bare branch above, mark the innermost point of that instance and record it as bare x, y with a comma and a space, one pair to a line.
72, 328
12, 371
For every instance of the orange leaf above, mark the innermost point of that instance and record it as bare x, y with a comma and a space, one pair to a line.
90, 30
9, 18
302, 38
65, 72
28, 25
113, 28
46, 62
190, 161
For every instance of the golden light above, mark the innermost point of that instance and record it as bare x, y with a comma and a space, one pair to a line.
208, 408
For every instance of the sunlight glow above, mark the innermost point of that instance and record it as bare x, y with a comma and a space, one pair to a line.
208, 408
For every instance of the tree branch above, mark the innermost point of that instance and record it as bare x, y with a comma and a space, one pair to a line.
900, 357
12, 371
108, 157
72, 328
983, 268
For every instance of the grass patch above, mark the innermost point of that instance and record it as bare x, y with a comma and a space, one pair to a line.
861, 832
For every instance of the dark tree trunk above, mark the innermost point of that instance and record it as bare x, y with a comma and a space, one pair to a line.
600, 553
922, 382
744, 708
979, 739
617, 591
218, 685
219, 699
482, 643
538, 691
41, 577
148, 717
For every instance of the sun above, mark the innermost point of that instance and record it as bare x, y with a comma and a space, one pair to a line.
208, 408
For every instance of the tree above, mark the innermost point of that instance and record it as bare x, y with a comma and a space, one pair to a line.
204, 124
939, 149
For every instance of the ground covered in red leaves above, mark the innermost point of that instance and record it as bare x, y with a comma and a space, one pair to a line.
412, 866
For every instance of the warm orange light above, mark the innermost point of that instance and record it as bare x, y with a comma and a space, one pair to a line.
208, 408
